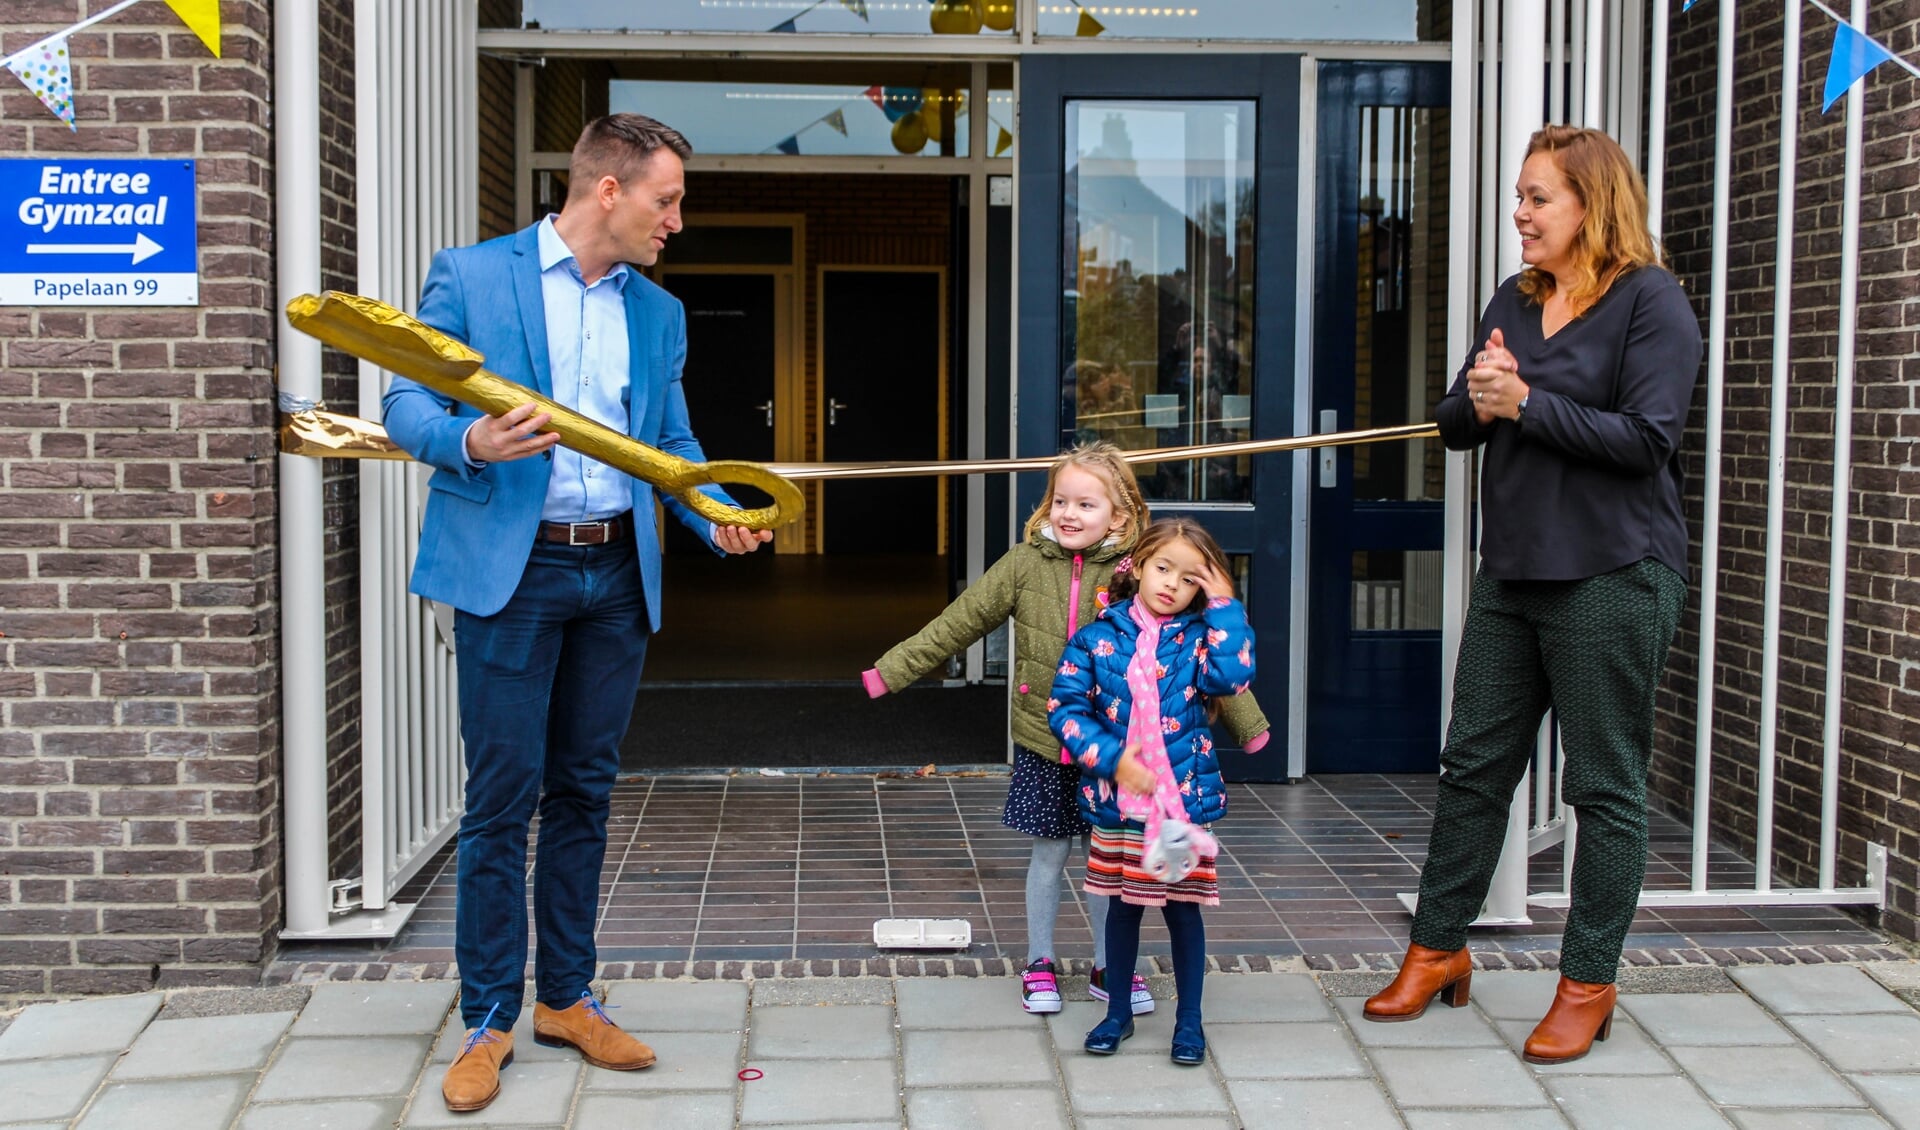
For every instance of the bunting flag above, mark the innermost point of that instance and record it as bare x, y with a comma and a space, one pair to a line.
837, 122
788, 26
877, 96
1003, 143
791, 146
48, 72
202, 17
1854, 55
857, 7
1089, 27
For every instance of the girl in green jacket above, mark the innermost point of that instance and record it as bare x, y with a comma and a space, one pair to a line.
1054, 581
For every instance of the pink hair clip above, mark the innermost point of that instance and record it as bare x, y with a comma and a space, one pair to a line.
1125, 566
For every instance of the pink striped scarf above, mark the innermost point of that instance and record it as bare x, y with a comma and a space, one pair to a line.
1145, 733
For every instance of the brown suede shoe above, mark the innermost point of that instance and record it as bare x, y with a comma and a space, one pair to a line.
1424, 974
1581, 1014
473, 1080
587, 1026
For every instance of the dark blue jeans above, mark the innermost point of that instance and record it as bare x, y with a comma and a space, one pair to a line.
546, 691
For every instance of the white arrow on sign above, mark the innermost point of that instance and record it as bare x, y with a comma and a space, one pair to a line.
141, 248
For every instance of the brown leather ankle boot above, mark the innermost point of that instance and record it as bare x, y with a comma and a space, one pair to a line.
1424, 974
1581, 1014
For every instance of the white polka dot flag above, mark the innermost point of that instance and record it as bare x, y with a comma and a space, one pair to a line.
48, 72
47, 67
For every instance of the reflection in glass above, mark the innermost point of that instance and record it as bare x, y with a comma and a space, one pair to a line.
1157, 315
1377, 20
1401, 367
956, 19
1397, 590
814, 120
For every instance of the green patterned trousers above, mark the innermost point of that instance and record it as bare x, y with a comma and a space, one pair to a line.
1592, 650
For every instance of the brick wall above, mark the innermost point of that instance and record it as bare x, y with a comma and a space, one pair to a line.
138, 829
1880, 764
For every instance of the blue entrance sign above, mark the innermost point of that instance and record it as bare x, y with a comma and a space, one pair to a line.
75, 231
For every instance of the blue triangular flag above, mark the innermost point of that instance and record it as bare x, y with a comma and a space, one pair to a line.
791, 146
1688, 6
788, 26
1853, 56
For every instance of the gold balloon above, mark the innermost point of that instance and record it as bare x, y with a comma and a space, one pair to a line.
399, 343
998, 14
910, 133
931, 104
957, 17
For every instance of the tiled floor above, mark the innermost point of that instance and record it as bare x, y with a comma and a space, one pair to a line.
800, 867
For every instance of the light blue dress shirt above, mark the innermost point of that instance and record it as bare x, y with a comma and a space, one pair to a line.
587, 352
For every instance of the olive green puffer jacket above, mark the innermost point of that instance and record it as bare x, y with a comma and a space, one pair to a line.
1033, 584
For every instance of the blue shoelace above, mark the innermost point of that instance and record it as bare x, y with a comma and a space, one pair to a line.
597, 1008
483, 1034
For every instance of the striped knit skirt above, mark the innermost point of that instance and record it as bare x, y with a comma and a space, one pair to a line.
1113, 869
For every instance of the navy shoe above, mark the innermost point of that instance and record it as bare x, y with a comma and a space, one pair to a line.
1106, 1036
1189, 1045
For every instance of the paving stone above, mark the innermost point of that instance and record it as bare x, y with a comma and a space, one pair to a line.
624, 1112
1441, 1027
1069, 1027
1626, 1051
690, 1061
679, 1006
1896, 1096
1671, 1103
169, 1104
1526, 1119
1509, 996
889, 1125
357, 1114
388, 1008
1310, 1104
823, 990
854, 1031
213, 1045
1874, 1042
1009, 1108
1697, 1020
344, 1069
1263, 998
1283, 1051
1140, 1080
82, 1027
50, 1088
1156, 1124
526, 1049
849, 1090
1817, 988
947, 1059
1807, 1120
530, 1094
1786, 1077
235, 1002
1483, 1077
964, 1002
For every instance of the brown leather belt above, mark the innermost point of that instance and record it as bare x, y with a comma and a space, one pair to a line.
615, 529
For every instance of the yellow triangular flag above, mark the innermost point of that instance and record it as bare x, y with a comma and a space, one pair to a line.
202, 17
1088, 25
1004, 143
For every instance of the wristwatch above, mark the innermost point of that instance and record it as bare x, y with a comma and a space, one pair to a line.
1520, 409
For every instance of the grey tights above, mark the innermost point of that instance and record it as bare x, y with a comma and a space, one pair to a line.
1043, 900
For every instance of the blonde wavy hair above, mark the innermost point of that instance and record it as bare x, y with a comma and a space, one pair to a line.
1613, 238
1101, 460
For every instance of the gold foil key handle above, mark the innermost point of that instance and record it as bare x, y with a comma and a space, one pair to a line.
400, 343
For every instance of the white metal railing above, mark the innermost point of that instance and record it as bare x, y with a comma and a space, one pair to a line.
1597, 38
417, 146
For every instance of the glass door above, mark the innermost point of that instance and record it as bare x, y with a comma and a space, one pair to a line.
1157, 290
1379, 359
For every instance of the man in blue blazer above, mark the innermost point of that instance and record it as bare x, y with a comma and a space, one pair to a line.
552, 564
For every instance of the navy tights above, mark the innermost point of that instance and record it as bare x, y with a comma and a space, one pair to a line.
1189, 936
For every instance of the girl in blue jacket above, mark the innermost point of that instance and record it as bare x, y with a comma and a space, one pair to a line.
1131, 704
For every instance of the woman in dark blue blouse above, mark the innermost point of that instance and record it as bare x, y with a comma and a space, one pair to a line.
1578, 394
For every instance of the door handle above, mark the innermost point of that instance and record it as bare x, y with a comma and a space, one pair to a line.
768, 409
1329, 467
833, 411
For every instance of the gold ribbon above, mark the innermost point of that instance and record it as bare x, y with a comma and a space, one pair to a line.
399, 343
334, 435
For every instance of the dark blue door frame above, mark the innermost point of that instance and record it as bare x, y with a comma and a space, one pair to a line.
1263, 529
1373, 698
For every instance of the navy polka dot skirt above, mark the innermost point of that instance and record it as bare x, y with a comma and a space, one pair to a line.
1044, 797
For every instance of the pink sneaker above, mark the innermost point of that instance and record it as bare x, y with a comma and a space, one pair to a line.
1039, 991
1142, 995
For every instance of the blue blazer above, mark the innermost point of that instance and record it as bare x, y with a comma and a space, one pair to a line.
480, 525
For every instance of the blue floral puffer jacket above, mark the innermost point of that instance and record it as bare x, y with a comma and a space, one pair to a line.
1201, 655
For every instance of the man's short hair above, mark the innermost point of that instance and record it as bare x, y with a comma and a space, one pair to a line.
620, 146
